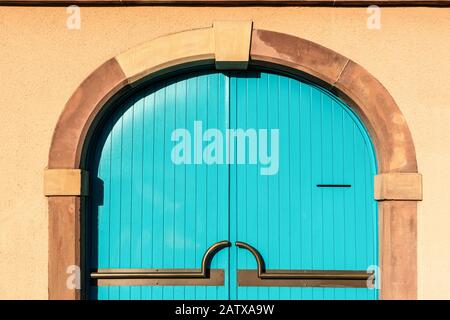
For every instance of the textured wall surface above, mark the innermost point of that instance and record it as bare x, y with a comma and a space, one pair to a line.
42, 62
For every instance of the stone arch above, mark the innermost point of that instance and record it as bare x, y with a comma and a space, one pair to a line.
397, 188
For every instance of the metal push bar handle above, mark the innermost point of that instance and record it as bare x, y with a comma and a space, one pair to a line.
302, 274
201, 273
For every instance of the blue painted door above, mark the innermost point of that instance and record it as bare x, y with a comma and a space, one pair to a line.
149, 211
297, 218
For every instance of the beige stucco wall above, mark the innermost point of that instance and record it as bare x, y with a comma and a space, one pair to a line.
42, 62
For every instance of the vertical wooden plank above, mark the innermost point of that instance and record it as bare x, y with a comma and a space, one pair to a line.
103, 204
148, 190
233, 227
202, 215
273, 257
264, 229
136, 192
212, 209
252, 178
222, 183
372, 219
180, 209
307, 183
284, 175
169, 187
339, 293
125, 194
327, 193
191, 186
115, 220
317, 175
295, 181
102, 201
158, 185
350, 228
243, 258
360, 210
102, 293
338, 195
350, 224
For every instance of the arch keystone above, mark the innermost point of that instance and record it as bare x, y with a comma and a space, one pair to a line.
232, 44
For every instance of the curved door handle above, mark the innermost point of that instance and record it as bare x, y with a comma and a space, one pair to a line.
336, 277
180, 274
259, 259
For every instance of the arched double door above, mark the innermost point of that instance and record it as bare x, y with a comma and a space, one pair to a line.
207, 159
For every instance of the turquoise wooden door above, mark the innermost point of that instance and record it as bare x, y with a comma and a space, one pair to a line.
148, 211
317, 212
